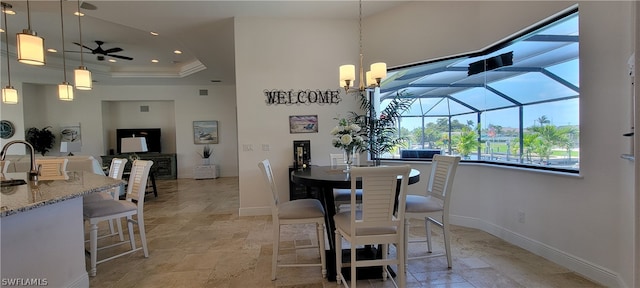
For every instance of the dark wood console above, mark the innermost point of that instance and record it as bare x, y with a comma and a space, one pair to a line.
164, 165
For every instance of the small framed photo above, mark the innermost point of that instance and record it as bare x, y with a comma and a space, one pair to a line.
205, 132
303, 124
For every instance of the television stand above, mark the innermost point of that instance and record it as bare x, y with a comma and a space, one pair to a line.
164, 165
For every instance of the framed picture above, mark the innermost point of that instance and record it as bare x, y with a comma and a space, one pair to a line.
303, 124
205, 132
70, 133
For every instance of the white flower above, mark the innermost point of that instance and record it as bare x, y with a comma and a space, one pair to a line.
346, 139
335, 130
355, 128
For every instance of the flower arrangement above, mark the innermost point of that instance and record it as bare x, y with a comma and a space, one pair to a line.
347, 136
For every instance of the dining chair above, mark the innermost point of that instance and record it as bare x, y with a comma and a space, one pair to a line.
343, 196
52, 167
116, 169
300, 211
4, 165
433, 207
98, 211
376, 223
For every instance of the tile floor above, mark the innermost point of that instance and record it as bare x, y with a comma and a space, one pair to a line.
197, 239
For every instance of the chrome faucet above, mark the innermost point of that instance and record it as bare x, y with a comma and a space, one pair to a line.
33, 170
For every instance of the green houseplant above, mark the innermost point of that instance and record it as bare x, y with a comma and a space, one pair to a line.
41, 139
381, 133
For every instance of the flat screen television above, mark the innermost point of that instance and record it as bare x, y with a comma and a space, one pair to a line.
152, 134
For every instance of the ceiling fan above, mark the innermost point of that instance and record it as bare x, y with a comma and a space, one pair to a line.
102, 52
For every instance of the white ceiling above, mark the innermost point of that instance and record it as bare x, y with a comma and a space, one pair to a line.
202, 30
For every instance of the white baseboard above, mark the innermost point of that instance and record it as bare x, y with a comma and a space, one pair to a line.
254, 211
584, 268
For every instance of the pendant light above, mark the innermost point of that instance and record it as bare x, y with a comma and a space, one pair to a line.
65, 90
82, 74
30, 46
9, 94
348, 72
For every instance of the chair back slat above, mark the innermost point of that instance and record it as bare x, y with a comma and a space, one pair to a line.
52, 167
443, 170
379, 190
138, 181
116, 169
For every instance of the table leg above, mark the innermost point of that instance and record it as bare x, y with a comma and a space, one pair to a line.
330, 210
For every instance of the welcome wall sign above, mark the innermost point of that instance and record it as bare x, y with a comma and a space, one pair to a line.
302, 97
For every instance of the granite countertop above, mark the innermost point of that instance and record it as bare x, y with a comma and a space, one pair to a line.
49, 191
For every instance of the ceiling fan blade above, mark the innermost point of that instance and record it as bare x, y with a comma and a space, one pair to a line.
84, 46
113, 50
83, 52
120, 57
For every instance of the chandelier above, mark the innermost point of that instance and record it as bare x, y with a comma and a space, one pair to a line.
377, 71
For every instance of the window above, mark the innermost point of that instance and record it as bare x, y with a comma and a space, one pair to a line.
513, 104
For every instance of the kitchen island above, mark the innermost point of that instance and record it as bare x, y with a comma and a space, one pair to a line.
42, 229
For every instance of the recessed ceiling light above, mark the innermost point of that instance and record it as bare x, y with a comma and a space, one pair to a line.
154, 33
77, 13
52, 50
155, 61
177, 52
112, 60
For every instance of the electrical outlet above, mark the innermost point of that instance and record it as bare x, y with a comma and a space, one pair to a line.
521, 216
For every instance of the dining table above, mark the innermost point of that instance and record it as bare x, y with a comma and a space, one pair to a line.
324, 179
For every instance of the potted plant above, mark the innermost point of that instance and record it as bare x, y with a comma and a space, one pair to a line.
206, 154
381, 132
41, 139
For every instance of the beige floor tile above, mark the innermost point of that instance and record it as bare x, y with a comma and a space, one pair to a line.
197, 239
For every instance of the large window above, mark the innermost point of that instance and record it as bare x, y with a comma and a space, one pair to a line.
515, 103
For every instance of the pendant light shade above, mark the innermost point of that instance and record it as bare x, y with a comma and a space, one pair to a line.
65, 91
82, 74
83, 78
9, 95
30, 46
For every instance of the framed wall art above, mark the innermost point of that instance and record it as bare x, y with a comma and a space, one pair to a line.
205, 132
303, 124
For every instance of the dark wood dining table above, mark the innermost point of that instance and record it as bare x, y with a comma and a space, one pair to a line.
325, 179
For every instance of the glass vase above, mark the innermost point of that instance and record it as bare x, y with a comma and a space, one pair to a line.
348, 159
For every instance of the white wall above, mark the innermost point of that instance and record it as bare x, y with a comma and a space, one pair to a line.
295, 54
584, 223
42, 108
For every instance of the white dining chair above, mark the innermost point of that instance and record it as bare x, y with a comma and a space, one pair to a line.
376, 223
294, 212
116, 169
433, 206
98, 211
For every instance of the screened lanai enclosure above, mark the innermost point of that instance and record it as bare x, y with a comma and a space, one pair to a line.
515, 103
